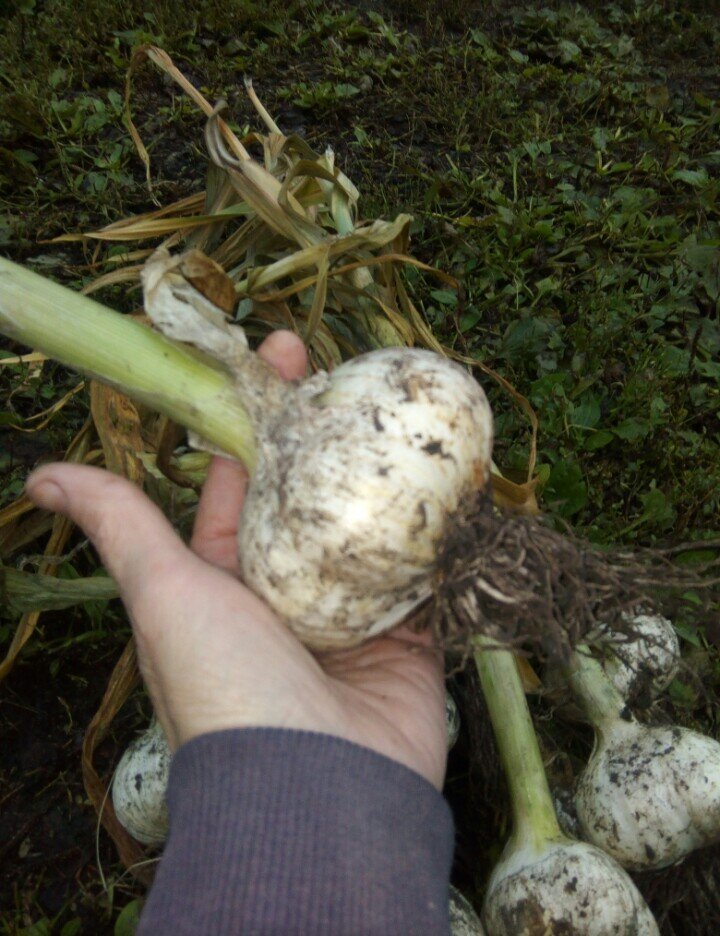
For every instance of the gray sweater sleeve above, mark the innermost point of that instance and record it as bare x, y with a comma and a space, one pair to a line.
292, 833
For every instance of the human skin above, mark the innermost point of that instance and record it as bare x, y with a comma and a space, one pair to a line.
212, 654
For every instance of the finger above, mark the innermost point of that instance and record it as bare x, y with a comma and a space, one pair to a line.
286, 352
135, 541
215, 533
224, 489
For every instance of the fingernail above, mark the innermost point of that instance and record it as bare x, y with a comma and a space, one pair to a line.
47, 494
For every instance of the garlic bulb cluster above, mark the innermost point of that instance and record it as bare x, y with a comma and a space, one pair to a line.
139, 786
649, 795
544, 881
643, 665
563, 887
463, 919
358, 470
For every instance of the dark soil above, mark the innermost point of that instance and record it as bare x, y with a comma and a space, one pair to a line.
50, 851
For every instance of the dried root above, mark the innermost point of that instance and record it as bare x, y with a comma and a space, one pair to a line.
528, 586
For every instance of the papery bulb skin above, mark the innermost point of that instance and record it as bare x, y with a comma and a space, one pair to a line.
140, 784
649, 796
463, 919
359, 472
643, 666
568, 888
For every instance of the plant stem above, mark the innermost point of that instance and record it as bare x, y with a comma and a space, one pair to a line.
534, 818
601, 701
115, 349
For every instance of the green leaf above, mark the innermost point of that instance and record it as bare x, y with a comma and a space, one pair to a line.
41, 928
128, 919
72, 927
694, 177
689, 633
599, 440
346, 90
569, 52
600, 137
444, 296
519, 57
708, 369
525, 336
586, 413
469, 320
634, 428
657, 508
566, 488
681, 694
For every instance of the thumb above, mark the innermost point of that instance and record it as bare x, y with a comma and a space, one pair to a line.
135, 541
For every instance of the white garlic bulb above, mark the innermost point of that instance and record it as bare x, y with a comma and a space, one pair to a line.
350, 502
644, 664
358, 470
463, 919
140, 784
649, 796
566, 887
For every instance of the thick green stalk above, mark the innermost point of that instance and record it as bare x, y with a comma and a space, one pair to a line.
534, 818
113, 348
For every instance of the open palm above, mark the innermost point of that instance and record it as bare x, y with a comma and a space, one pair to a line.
212, 654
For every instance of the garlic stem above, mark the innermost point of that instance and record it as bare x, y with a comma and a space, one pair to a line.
113, 348
534, 818
595, 691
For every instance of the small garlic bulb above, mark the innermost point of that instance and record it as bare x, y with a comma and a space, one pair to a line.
463, 919
643, 665
565, 887
140, 784
452, 720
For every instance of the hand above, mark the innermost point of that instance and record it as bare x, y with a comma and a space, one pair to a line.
212, 654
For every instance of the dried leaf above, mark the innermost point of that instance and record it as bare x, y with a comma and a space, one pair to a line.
117, 423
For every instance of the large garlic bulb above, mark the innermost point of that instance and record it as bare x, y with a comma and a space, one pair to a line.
650, 796
140, 784
358, 470
566, 887
350, 503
